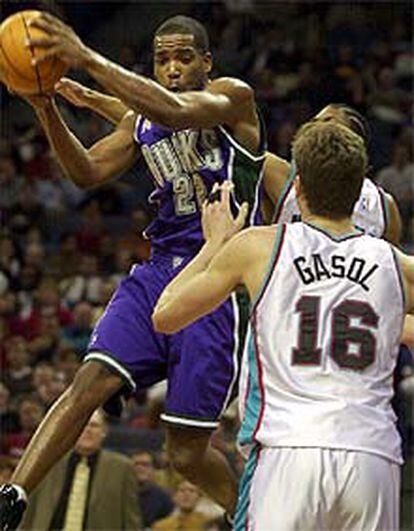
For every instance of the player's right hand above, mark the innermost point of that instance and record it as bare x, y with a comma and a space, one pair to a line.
12, 506
73, 91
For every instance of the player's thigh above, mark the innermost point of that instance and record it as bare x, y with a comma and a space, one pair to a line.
203, 365
280, 489
124, 338
369, 498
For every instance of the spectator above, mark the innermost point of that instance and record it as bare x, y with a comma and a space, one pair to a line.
85, 285
6, 469
186, 498
9, 420
30, 412
78, 333
155, 503
398, 180
18, 377
105, 481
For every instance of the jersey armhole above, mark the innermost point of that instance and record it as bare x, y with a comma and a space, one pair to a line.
277, 247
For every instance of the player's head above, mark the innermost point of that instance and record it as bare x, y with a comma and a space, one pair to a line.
347, 116
331, 163
182, 60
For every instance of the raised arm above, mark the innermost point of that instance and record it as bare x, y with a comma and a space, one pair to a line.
225, 101
275, 175
109, 107
406, 263
91, 167
394, 225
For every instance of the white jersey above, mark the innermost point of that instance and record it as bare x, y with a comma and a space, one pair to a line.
370, 211
323, 343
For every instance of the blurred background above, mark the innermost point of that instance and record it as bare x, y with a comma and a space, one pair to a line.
63, 250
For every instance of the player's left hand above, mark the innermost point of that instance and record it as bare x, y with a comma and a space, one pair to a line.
61, 41
217, 220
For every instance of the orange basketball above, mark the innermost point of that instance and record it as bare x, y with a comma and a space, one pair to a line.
15, 57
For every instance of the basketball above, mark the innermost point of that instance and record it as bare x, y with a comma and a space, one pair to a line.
15, 57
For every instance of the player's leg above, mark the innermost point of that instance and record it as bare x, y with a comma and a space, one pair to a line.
193, 456
281, 488
202, 372
370, 487
123, 349
92, 386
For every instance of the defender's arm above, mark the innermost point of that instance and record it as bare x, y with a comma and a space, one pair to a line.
407, 269
275, 175
394, 227
201, 287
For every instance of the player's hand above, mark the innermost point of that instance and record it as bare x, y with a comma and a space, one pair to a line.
73, 91
218, 222
61, 41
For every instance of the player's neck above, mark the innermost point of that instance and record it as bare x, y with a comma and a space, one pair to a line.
335, 226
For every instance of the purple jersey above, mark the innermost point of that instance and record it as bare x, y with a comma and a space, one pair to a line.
184, 165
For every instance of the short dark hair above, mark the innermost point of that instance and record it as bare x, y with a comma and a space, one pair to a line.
187, 26
357, 122
331, 161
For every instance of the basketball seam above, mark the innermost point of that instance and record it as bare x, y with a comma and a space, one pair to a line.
38, 78
13, 66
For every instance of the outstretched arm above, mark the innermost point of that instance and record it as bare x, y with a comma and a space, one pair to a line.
212, 275
87, 168
393, 229
275, 175
225, 101
406, 263
109, 107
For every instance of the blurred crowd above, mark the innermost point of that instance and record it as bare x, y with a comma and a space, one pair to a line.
63, 250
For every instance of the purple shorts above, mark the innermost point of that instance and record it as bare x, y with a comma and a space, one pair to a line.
199, 362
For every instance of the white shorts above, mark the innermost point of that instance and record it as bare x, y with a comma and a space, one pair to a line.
284, 489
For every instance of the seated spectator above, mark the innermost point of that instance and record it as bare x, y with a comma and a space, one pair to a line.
186, 499
6, 469
9, 420
398, 180
18, 376
78, 333
46, 303
83, 285
31, 412
66, 260
44, 346
67, 361
155, 502
49, 383
105, 293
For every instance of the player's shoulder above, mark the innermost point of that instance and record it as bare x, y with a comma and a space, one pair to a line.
231, 86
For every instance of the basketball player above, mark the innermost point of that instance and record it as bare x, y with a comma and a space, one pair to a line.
328, 309
375, 211
193, 133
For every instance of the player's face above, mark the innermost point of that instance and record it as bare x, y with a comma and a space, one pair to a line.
178, 65
332, 114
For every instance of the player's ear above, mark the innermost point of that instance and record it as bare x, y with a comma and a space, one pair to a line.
208, 62
298, 186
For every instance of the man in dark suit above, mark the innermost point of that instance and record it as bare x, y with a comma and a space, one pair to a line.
88, 489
